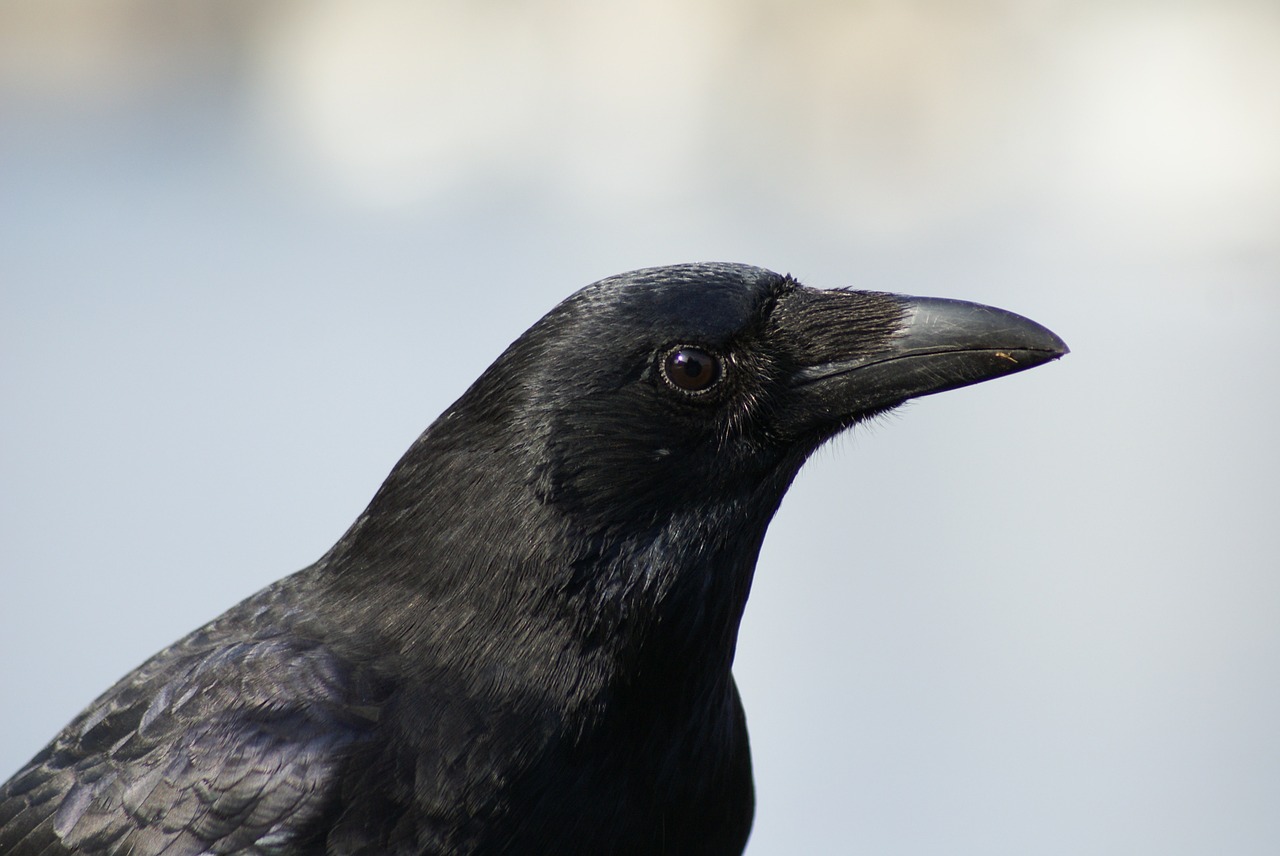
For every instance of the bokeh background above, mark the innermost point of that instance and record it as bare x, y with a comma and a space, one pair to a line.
249, 250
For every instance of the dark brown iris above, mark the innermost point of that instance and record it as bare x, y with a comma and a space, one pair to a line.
691, 369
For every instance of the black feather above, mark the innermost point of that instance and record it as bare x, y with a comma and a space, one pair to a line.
523, 645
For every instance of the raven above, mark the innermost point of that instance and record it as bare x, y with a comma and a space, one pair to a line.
523, 645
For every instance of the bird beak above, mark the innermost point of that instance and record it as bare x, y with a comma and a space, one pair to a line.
939, 345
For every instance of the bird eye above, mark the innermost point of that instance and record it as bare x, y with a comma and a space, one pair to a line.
691, 369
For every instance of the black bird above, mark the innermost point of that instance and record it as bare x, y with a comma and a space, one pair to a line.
523, 645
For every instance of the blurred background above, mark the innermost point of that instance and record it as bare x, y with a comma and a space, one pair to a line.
249, 250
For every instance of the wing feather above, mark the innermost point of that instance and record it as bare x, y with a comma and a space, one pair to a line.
228, 742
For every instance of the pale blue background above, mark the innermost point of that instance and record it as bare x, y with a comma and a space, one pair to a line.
248, 251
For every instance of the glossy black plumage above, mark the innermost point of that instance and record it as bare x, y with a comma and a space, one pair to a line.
524, 644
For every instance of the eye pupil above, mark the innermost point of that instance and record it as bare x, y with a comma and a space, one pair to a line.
691, 366
691, 369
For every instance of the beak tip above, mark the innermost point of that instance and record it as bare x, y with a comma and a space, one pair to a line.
944, 323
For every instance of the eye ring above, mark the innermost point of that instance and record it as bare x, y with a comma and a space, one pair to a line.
691, 370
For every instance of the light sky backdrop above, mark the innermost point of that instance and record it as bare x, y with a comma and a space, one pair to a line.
249, 250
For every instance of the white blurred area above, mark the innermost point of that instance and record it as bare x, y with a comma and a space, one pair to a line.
248, 250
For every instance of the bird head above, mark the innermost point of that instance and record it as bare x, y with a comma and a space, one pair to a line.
667, 386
